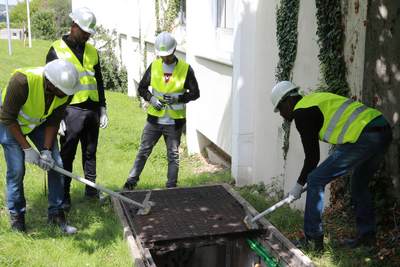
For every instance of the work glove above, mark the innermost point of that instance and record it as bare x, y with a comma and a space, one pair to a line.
32, 156
170, 99
62, 128
156, 103
103, 117
46, 161
295, 193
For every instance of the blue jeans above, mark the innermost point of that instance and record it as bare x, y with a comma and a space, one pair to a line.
363, 158
15, 159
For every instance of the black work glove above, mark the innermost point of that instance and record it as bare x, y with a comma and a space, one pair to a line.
170, 99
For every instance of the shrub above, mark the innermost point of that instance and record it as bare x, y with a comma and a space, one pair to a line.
115, 75
43, 26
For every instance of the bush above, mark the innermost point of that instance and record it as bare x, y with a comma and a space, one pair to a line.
115, 75
43, 26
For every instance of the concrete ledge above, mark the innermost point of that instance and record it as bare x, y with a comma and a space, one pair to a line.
277, 244
275, 241
139, 260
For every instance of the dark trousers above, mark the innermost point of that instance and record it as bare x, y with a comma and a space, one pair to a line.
150, 136
81, 125
363, 157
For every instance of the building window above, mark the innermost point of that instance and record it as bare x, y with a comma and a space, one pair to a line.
225, 14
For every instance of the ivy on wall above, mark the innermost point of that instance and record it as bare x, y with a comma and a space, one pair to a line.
286, 33
331, 43
333, 67
166, 13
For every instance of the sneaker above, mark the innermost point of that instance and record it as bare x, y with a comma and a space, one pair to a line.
367, 240
310, 243
92, 197
17, 222
91, 193
171, 184
58, 219
130, 184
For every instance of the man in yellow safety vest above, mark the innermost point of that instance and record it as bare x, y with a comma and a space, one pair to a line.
173, 85
87, 111
33, 105
361, 136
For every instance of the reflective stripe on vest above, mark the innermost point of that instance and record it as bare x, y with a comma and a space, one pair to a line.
32, 113
344, 119
174, 87
88, 83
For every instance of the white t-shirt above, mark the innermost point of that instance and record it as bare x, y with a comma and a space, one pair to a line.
168, 69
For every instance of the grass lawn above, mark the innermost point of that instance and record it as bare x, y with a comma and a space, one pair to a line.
21, 57
99, 241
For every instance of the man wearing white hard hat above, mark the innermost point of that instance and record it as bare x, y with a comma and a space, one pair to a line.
87, 111
173, 85
32, 106
361, 136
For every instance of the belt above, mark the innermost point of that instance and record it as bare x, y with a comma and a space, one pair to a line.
378, 129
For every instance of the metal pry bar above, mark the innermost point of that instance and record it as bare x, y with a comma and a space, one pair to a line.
144, 207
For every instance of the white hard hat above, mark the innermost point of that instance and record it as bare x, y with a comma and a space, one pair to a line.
85, 19
63, 75
280, 90
165, 44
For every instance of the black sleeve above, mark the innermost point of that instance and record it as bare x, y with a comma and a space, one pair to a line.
51, 55
100, 83
144, 85
58, 114
191, 86
309, 122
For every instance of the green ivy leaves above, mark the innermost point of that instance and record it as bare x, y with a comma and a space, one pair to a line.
166, 21
286, 33
331, 43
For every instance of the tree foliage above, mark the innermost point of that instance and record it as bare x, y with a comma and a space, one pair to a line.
59, 8
18, 13
62, 9
115, 76
43, 26
167, 11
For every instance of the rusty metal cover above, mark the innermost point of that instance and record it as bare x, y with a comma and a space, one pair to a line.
182, 214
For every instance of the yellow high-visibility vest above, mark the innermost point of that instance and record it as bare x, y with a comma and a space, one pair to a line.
344, 118
87, 81
174, 87
32, 113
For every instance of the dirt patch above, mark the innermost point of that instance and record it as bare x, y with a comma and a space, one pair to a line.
204, 166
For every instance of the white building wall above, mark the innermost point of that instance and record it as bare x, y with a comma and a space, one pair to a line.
236, 72
209, 53
255, 57
306, 74
257, 135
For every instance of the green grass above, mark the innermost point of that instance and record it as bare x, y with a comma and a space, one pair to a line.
21, 57
99, 241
